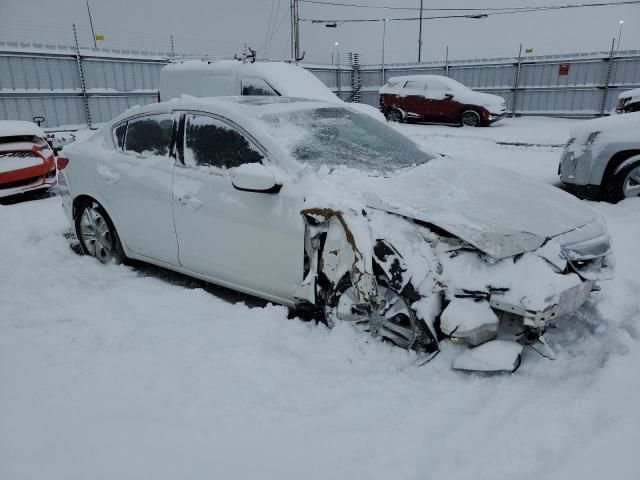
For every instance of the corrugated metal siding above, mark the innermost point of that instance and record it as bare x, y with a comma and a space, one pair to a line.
46, 82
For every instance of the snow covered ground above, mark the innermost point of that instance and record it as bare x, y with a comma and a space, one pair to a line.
129, 372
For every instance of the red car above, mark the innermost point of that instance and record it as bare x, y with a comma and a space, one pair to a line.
437, 99
27, 161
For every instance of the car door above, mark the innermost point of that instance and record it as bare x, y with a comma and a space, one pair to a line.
136, 183
439, 104
251, 241
413, 99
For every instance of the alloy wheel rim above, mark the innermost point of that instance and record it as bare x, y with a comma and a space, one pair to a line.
470, 118
631, 186
395, 116
96, 235
393, 319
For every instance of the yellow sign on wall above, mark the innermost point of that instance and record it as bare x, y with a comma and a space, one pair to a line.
528, 50
100, 37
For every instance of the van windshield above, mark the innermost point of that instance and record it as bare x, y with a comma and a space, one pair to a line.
336, 136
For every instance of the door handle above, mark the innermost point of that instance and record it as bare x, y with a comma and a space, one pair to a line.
190, 201
108, 175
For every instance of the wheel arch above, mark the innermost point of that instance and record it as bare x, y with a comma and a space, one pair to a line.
79, 199
615, 163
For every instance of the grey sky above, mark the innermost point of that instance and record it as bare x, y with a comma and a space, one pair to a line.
221, 27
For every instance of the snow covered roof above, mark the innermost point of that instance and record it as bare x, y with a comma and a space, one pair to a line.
416, 78
14, 128
635, 93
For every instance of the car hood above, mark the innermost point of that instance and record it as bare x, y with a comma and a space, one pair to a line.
493, 103
499, 212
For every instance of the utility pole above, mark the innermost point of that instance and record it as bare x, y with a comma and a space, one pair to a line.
295, 31
420, 36
93, 33
384, 34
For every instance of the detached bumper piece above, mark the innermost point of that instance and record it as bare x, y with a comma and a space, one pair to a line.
496, 356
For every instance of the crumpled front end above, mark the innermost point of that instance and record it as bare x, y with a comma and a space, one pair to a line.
525, 293
458, 291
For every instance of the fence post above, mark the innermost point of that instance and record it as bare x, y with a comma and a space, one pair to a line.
516, 83
82, 83
173, 51
446, 63
338, 76
607, 79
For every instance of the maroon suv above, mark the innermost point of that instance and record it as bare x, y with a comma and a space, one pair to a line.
437, 99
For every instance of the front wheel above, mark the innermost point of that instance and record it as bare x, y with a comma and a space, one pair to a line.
625, 183
97, 235
392, 319
471, 118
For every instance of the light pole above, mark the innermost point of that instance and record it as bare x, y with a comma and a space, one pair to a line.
620, 34
384, 35
339, 87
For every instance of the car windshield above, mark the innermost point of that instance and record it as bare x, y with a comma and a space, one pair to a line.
335, 136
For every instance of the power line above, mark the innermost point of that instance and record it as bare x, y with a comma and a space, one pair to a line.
387, 7
476, 15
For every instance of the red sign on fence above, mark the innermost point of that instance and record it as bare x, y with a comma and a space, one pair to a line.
564, 69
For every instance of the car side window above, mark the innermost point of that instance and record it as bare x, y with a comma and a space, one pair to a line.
214, 143
118, 134
149, 135
256, 86
415, 85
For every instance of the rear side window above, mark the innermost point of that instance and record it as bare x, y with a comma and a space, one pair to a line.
414, 85
214, 143
435, 84
118, 135
256, 86
149, 135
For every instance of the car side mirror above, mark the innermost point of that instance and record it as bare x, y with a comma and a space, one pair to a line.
254, 177
448, 95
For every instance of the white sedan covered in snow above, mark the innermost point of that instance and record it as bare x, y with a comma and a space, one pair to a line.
316, 206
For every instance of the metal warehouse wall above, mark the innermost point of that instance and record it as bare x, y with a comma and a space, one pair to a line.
73, 87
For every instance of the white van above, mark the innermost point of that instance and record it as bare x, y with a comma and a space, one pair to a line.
216, 78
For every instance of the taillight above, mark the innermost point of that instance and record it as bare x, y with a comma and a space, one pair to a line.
159, 96
62, 162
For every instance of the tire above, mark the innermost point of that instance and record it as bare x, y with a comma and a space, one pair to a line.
404, 329
625, 183
97, 235
471, 118
394, 115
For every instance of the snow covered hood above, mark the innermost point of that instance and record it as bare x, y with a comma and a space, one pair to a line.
499, 212
606, 130
14, 128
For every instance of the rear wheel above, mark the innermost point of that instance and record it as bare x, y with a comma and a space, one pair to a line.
394, 115
471, 118
97, 235
625, 183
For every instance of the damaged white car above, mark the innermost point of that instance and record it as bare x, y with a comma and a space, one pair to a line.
318, 207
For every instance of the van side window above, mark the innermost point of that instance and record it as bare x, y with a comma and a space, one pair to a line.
256, 86
150, 134
211, 142
118, 134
